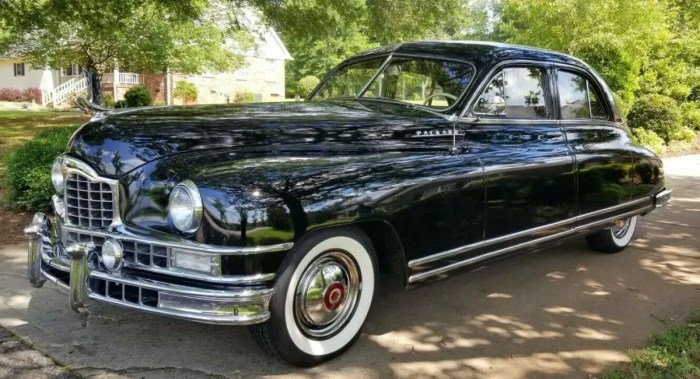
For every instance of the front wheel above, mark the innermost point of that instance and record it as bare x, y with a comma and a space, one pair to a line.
614, 239
324, 292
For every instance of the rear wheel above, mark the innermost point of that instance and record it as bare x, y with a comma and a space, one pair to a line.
324, 292
614, 239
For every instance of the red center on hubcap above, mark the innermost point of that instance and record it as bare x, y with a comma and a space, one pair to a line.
333, 296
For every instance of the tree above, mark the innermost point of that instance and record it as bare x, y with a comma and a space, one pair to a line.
148, 35
616, 37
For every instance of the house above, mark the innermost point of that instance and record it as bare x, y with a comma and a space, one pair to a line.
57, 86
262, 75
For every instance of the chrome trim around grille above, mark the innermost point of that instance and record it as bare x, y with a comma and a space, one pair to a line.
108, 192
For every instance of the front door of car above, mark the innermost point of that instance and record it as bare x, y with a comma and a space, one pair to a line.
529, 172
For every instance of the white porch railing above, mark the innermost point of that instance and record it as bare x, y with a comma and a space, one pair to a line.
61, 93
123, 78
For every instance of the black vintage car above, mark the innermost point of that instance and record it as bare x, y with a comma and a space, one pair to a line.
420, 158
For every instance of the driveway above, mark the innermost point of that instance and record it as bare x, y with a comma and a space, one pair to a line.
562, 312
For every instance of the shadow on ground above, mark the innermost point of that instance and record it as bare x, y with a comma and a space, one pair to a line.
562, 312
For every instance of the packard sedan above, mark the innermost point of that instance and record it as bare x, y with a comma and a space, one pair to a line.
418, 159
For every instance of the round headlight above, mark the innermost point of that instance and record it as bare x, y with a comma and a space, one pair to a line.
57, 175
112, 255
185, 207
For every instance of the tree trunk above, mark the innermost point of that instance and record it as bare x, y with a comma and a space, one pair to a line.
94, 78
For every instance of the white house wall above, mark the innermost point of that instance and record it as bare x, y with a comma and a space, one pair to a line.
42, 79
262, 77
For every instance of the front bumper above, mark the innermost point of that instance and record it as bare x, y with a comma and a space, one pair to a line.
72, 267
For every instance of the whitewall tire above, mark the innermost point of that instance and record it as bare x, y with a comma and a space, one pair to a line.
614, 239
324, 291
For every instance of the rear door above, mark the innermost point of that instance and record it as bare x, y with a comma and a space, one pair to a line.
605, 170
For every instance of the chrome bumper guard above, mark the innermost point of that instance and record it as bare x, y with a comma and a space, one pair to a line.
239, 306
662, 198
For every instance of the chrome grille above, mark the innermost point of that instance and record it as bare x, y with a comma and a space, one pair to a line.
88, 203
135, 253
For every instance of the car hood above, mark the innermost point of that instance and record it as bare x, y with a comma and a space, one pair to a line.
121, 142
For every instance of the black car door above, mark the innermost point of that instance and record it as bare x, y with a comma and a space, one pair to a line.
601, 147
529, 173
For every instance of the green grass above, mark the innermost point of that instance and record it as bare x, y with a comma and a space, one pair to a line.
673, 354
17, 126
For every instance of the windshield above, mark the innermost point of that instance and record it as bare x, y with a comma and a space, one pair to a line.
428, 82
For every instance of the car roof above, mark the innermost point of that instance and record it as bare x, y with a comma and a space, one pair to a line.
478, 52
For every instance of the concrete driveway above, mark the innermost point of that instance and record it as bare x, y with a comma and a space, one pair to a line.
562, 312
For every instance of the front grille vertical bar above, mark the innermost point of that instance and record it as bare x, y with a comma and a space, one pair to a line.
89, 203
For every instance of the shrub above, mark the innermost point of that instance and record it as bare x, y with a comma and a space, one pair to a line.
32, 94
306, 85
10, 94
649, 139
137, 96
691, 114
186, 91
694, 94
120, 104
28, 169
159, 103
108, 101
659, 114
243, 97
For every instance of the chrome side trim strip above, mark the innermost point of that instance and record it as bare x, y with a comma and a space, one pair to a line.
473, 246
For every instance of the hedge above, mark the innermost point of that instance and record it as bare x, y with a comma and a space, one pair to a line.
27, 178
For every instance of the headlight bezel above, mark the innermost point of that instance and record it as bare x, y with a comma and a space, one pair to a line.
58, 177
195, 209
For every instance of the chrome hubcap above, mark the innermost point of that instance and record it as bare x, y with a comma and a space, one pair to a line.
620, 228
327, 294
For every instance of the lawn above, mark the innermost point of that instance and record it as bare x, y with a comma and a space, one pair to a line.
673, 354
17, 126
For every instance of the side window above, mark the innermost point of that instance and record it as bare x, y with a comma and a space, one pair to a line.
516, 92
578, 98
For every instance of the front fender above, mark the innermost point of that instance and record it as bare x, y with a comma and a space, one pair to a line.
250, 199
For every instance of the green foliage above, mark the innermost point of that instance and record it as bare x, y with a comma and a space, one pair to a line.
120, 104
691, 114
137, 96
243, 97
673, 354
108, 101
28, 169
186, 91
148, 35
649, 139
659, 114
306, 85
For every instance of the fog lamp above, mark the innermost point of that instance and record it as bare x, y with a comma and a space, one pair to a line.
112, 255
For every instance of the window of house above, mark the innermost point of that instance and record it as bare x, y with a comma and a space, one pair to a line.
578, 98
72, 70
270, 72
241, 73
515, 92
19, 69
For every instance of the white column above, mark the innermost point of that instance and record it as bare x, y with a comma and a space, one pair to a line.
115, 81
166, 77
